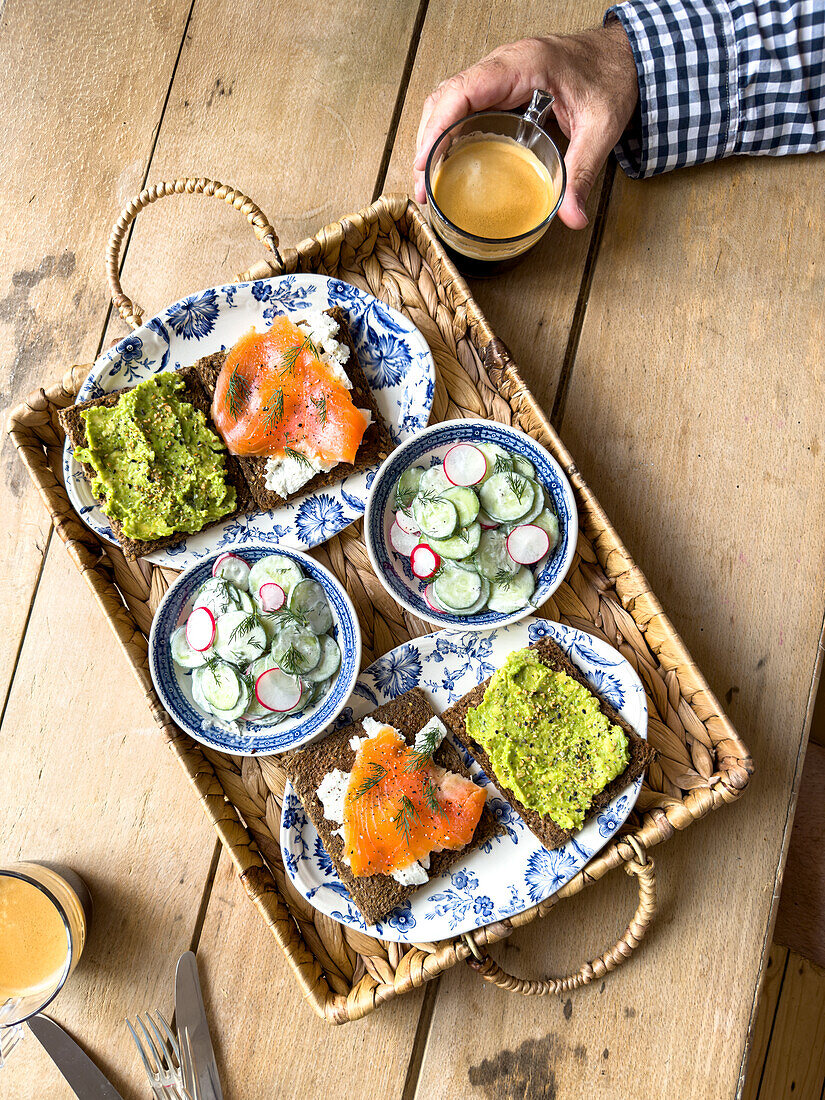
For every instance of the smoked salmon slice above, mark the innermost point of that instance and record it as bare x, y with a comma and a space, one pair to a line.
275, 394
400, 807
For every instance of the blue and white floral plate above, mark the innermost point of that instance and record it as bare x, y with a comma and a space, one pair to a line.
174, 684
511, 872
395, 356
430, 446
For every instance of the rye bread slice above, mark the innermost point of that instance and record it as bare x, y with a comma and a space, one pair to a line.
375, 446
548, 832
376, 895
194, 392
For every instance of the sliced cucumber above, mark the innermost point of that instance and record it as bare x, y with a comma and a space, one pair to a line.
492, 558
538, 505
436, 516
514, 594
548, 521
330, 660
183, 654
507, 497
433, 481
465, 501
220, 685
295, 649
459, 546
245, 600
278, 568
497, 459
457, 589
218, 595
407, 488
239, 637
309, 600
523, 466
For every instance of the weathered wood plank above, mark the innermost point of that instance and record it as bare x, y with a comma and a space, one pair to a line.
87, 781
77, 127
762, 1030
531, 309
795, 1066
254, 1005
696, 419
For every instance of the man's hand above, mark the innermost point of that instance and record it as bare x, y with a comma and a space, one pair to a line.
593, 78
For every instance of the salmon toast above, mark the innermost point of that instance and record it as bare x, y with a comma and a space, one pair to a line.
294, 407
349, 757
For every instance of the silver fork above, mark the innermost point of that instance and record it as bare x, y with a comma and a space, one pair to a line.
161, 1057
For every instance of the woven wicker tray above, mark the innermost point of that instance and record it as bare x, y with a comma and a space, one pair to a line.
389, 250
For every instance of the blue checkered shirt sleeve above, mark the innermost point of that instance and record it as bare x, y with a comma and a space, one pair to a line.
717, 79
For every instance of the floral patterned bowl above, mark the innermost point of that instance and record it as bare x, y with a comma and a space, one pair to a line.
430, 446
174, 684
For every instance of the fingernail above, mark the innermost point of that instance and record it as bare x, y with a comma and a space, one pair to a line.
582, 211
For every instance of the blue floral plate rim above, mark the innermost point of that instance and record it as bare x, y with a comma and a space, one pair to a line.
395, 573
172, 684
395, 356
512, 872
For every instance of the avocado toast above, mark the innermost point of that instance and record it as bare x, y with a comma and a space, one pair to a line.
376, 895
639, 753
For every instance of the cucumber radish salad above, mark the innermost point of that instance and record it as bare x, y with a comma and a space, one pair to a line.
259, 641
474, 526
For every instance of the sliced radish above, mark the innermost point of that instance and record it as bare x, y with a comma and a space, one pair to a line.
465, 464
406, 523
431, 601
230, 567
277, 691
424, 561
271, 596
200, 629
527, 543
487, 522
402, 541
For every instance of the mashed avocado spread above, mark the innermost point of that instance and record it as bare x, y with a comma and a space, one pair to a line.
159, 469
548, 740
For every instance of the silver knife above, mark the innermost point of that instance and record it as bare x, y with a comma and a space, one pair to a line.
85, 1079
190, 1014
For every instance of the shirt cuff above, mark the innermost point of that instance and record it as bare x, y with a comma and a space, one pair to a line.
686, 61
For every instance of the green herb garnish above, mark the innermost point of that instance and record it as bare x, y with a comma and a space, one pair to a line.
238, 392
403, 820
517, 485
427, 744
504, 464
290, 357
503, 578
245, 626
320, 404
292, 661
377, 773
431, 798
296, 456
273, 411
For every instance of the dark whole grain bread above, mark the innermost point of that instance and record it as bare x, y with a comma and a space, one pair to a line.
375, 895
375, 446
548, 832
195, 393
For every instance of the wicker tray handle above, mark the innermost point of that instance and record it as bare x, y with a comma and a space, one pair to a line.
189, 185
642, 869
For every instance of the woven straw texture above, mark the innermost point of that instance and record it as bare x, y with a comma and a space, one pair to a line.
388, 250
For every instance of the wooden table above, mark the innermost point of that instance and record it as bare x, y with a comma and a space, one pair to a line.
678, 343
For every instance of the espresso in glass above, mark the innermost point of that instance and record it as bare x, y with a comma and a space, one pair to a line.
494, 182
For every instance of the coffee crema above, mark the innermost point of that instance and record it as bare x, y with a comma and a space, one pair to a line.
493, 187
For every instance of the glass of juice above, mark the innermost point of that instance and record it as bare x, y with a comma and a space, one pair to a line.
494, 182
45, 911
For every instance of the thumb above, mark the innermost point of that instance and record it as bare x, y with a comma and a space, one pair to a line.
589, 147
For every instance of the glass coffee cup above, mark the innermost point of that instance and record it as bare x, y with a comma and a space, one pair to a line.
478, 199
45, 911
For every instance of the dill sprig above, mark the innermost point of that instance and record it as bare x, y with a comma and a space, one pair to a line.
403, 820
291, 355
296, 456
291, 661
427, 745
404, 498
273, 411
503, 578
288, 615
247, 624
320, 404
377, 773
504, 464
238, 392
517, 485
